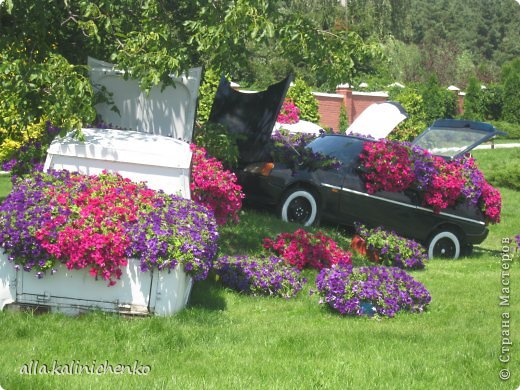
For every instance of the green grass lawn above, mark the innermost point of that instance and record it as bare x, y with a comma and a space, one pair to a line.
226, 340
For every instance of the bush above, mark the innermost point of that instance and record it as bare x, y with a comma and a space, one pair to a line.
391, 249
512, 129
511, 83
36, 86
218, 142
25, 157
438, 101
371, 291
506, 173
214, 187
303, 249
343, 119
259, 275
301, 94
414, 104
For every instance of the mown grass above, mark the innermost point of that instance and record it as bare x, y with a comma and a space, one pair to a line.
226, 340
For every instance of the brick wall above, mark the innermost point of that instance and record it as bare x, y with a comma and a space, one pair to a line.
361, 100
354, 102
329, 108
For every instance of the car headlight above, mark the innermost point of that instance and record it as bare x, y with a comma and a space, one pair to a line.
263, 169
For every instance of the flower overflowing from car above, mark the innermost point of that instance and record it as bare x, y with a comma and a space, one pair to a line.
291, 149
440, 184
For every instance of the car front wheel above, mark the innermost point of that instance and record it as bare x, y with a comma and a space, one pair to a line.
299, 206
445, 245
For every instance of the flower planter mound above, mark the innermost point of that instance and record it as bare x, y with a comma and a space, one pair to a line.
71, 292
381, 291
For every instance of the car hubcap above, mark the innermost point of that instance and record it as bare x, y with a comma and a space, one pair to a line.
444, 248
299, 210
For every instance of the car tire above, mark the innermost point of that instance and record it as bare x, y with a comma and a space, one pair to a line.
299, 206
444, 244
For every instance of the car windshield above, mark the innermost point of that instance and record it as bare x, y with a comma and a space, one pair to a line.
344, 148
449, 141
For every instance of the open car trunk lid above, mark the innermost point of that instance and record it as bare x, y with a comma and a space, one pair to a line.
378, 120
452, 138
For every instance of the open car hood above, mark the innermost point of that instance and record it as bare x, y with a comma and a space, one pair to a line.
452, 138
378, 120
251, 116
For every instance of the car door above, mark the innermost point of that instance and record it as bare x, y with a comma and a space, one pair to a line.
394, 210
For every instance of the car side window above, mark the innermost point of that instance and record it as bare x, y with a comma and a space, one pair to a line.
345, 149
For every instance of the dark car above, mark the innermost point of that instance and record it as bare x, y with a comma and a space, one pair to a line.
338, 195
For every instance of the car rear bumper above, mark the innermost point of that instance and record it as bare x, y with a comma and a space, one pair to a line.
478, 238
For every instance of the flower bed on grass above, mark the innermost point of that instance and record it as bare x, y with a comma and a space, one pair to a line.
98, 222
259, 275
306, 250
391, 249
371, 291
397, 166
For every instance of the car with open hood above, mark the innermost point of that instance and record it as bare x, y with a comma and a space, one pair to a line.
339, 195
307, 195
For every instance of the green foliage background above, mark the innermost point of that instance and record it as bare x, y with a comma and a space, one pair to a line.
302, 96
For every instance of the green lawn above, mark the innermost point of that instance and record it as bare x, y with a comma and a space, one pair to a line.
226, 340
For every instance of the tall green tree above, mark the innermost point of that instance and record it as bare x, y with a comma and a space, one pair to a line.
511, 85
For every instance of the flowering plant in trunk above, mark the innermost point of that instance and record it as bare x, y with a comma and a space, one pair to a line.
98, 222
306, 250
398, 166
259, 275
382, 291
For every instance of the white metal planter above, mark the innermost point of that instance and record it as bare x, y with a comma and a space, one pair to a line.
163, 162
156, 151
74, 291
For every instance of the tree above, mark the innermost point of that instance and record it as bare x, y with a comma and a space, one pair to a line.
44, 46
511, 83
440, 103
472, 100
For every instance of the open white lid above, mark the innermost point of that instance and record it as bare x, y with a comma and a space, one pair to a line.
378, 120
169, 112
124, 146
